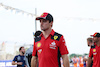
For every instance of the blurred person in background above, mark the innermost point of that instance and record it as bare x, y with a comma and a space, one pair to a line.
75, 61
90, 43
80, 61
94, 53
19, 60
84, 61
28, 53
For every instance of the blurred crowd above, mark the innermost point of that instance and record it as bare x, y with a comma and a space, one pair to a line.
78, 61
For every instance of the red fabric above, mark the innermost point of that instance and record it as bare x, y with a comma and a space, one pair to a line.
96, 55
94, 34
44, 15
47, 50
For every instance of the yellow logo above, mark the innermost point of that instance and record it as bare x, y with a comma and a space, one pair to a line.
55, 37
39, 44
94, 50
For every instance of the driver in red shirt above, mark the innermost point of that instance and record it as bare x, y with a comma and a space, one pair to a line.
49, 46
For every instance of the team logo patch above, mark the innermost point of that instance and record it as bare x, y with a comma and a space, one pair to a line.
53, 45
94, 53
39, 44
40, 50
94, 50
55, 37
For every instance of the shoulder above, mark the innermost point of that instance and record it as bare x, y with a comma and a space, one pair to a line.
17, 55
56, 36
37, 39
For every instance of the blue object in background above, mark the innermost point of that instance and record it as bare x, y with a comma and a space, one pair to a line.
6, 63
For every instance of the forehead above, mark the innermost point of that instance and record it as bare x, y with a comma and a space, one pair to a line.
43, 20
88, 41
22, 48
95, 37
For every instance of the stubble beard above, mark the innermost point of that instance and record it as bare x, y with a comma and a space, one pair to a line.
23, 53
45, 29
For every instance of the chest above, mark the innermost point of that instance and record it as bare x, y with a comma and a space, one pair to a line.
47, 43
20, 58
47, 46
96, 52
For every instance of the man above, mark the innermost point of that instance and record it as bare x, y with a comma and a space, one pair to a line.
80, 61
90, 43
19, 60
49, 46
85, 61
28, 53
75, 61
95, 51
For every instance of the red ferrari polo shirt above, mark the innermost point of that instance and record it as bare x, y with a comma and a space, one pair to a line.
95, 53
50, 49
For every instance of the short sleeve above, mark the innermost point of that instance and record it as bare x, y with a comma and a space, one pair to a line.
34, 53
90, 53
62, 46
15, 58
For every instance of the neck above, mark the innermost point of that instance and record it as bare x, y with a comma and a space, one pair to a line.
21, 54
47, 32
98, 43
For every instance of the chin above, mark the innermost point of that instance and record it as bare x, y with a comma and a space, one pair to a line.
43, 29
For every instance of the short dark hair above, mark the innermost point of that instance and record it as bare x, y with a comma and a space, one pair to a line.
21, 48
90, 39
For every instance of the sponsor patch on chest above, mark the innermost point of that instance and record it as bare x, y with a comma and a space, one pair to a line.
53, 45
94, 52
39, 51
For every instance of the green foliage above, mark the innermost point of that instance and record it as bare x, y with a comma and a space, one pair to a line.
77, 55
85, 54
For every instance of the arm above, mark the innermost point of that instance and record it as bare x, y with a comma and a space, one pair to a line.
34, 61
64, 52
34, 57
16, 63
89, 61
65, 60
85, 59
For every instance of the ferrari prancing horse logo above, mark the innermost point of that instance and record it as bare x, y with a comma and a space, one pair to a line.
55, 37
